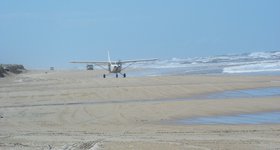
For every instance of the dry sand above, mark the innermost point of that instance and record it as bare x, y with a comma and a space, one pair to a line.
81, 110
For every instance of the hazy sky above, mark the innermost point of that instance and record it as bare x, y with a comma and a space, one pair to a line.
48, 33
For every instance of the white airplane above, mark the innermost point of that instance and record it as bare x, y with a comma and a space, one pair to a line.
114, 66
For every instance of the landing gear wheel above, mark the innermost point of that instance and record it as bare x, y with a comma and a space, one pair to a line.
124, 75
117, 75
104, 75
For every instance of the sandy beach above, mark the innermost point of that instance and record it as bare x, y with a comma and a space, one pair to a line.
80, 110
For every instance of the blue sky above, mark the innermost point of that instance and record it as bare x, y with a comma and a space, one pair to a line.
40, 34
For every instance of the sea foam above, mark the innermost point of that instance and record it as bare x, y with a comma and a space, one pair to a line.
238, 63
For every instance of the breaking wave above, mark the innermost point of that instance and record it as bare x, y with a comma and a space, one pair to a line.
240, 63
261, 67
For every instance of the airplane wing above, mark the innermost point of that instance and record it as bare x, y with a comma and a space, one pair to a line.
91, 62
113, 62
139, 60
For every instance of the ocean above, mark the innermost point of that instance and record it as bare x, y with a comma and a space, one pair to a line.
247, 63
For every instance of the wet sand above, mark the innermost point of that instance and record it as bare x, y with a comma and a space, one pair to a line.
81, 110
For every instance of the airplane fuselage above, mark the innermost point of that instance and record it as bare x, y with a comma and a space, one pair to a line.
114, 68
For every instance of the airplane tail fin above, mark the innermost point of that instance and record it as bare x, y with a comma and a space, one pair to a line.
109, 59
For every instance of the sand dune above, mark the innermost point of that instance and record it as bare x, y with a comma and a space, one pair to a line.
81, 110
